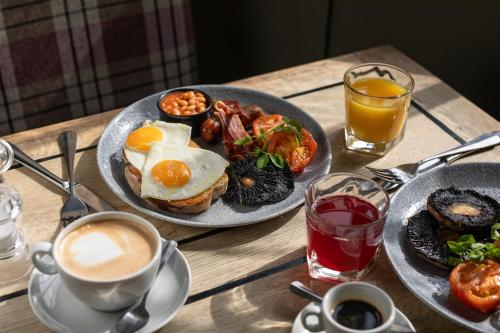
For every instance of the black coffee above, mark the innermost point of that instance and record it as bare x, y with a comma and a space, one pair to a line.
357, 315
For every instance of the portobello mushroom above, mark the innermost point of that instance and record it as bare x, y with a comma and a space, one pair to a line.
428, 237
464, 210
249, 185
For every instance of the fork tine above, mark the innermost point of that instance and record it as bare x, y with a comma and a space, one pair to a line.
394, 178
387, 173
390, 179
379, 171
374, 169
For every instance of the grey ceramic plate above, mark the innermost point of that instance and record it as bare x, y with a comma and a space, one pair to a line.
427, 282
220, 214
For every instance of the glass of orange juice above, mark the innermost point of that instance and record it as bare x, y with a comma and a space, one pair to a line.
377, 98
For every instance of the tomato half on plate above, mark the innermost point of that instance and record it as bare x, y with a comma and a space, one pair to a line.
296, 155
477, 284
265, 123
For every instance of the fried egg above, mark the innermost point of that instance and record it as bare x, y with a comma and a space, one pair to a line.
176, 173
139, 141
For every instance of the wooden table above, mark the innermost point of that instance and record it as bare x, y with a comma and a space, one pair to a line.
241, 275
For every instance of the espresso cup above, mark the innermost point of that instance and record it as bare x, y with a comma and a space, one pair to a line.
98, 282
349, 291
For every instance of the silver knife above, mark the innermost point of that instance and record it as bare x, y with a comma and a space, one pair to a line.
82, 192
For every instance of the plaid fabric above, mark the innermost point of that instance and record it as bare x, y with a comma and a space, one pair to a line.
63, 59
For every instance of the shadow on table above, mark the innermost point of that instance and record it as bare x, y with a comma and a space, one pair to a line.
346, 160
264, 305
234, 237
48, 186
435, 95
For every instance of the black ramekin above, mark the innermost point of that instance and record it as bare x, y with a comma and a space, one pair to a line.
194, 120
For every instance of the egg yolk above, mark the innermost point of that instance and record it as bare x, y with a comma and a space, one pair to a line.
171, 173
141, 138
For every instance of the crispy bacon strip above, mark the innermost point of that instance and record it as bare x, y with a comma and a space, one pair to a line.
232, 130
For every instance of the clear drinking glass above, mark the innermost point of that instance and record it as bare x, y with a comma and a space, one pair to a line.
345, 216
377, 99
15, 261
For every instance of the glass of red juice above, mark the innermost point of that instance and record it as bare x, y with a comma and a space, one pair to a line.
345, 216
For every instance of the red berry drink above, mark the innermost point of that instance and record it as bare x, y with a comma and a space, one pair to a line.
335, 245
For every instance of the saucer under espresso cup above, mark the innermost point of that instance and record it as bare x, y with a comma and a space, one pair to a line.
401, 323
57, 308
107, 260
320, 318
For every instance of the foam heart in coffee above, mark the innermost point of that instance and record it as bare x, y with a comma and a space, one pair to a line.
107, 249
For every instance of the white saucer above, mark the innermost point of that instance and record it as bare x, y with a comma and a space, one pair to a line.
401, 324
57, 308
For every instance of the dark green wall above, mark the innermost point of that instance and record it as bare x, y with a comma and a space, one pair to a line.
459, 41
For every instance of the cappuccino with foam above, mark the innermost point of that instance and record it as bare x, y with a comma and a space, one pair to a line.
106, 249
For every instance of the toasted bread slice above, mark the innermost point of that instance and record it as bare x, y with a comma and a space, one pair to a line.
193, 205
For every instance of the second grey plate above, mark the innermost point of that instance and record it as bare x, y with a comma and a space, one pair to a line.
427, 282
220, 214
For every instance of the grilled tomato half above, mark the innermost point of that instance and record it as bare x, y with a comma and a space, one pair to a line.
477, 284
297, 155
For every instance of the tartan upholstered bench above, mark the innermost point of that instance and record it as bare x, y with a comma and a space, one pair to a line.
63, 59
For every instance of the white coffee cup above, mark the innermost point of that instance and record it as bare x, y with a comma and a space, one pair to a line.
349, 291
104, 295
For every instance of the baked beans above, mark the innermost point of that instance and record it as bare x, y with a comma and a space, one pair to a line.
183, 103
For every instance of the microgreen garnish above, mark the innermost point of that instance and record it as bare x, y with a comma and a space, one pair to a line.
277, 160
263, 159
466, 248
243, 141
290, 125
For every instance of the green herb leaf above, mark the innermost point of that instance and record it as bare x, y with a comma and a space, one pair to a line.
468, 249
477, 246
277, 160
454, 261
495, 231
262, 135
243, 141
492, 252
475, 255
294, 123
466, 239
262, 161
456, 247
290, 126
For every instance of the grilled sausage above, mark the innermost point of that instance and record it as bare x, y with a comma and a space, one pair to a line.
211, 130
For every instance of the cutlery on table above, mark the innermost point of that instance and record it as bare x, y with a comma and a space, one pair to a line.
406, 172
301, 289
390, 186
137, 316
90, 198
73, 208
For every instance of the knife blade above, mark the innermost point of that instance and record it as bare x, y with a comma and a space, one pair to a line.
92, 199
86, 195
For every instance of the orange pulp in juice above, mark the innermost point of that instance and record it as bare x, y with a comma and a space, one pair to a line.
373, 118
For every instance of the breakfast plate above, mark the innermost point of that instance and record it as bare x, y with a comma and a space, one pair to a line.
58, 309
111, 162
426, 281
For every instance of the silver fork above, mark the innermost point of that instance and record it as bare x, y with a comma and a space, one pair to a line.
73, 208
405, 172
